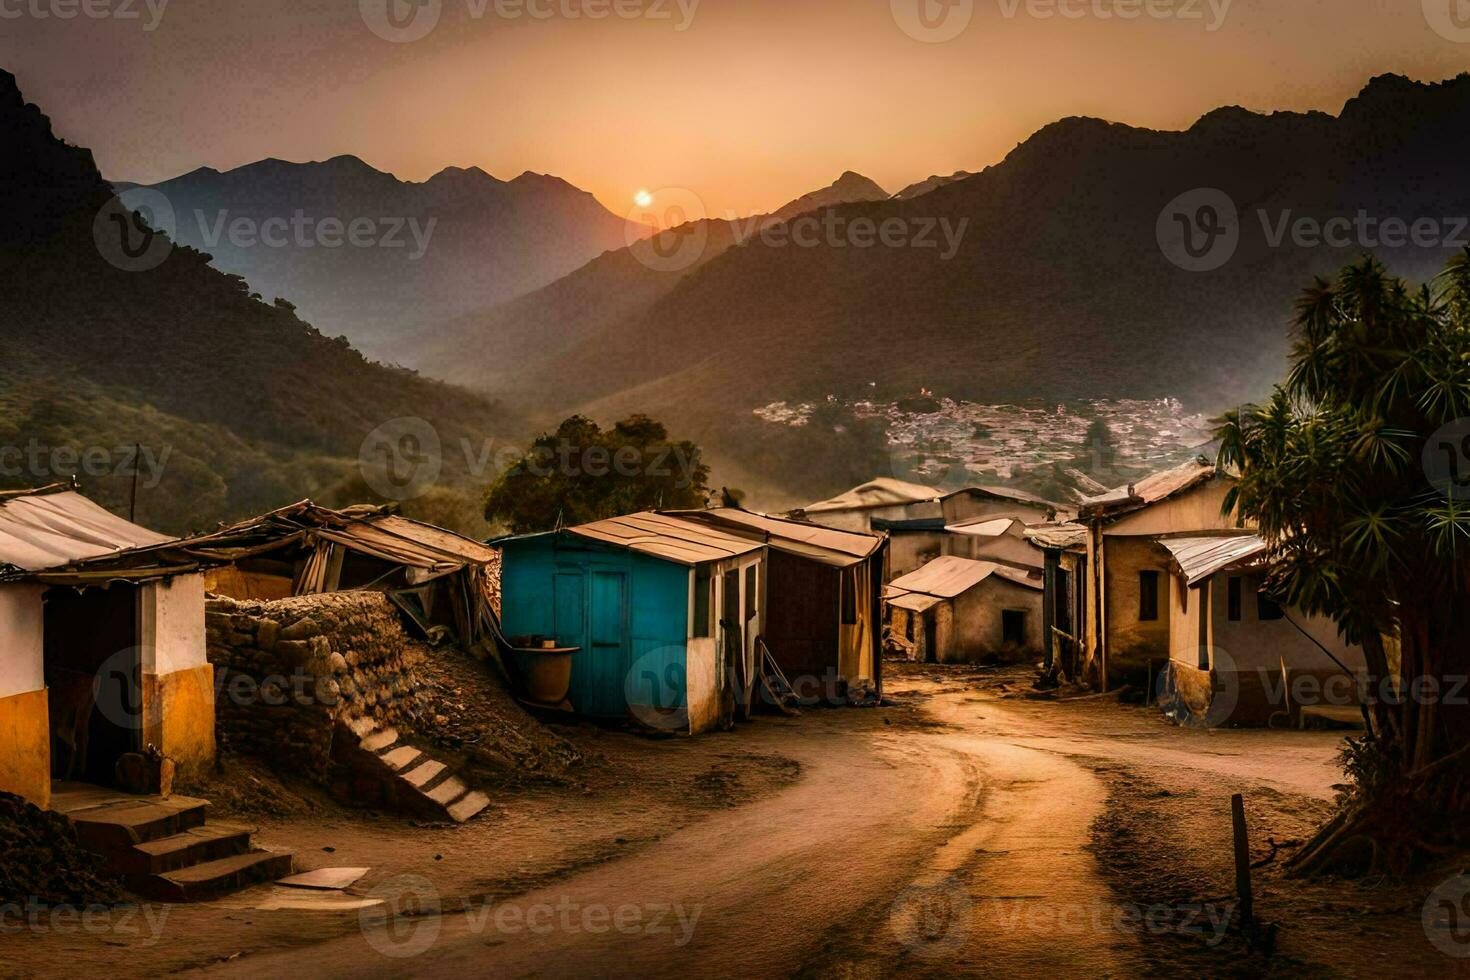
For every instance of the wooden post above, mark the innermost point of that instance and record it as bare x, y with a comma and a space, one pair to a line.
1242, 860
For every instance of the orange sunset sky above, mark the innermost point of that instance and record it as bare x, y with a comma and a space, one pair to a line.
751, 103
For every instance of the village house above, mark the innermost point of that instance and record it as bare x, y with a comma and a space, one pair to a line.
1237, 657
445, 583
101, 646
823, 613
1126, 632
955, 610
923, 522
663, 614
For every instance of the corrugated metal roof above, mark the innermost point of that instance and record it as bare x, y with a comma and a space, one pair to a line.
1150, 490
841, 549
49, 529
1200, 558
668, 537
1008, 493
984, 527
950, 576
914, 601
882, 492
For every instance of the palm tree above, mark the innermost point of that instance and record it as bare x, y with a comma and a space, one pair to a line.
1341, 471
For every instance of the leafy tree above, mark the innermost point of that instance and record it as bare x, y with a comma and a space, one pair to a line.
1336, 471
581, 473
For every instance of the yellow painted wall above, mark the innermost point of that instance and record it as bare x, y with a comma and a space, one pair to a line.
1188, 513
25, 747
1131, 642
178, 717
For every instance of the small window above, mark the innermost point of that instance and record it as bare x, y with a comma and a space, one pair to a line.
849, 598
1233, 599
702, 586
1013, 627
1148, 597
908, 626
750, 592
1268, 609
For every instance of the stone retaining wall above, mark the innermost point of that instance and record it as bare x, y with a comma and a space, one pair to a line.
288, 671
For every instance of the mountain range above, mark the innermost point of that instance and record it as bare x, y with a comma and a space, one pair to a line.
114, 337
1071, 279
420, 253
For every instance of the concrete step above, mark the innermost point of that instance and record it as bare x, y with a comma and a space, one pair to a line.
424, 773
448, 791
377, 741
402, 758
467, 806
212, 878
118, 826
194, 846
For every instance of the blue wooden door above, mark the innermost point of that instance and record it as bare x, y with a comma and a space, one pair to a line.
608, 655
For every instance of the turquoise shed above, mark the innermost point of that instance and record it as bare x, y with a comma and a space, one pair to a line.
664, 612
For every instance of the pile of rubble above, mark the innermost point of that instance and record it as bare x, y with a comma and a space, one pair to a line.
43, 863
467, 710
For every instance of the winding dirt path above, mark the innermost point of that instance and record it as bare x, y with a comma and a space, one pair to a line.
939, 850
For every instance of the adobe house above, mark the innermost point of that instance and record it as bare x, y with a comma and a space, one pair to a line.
101, 646
954, 610
663, 613
1236, 657
919, 520
1126, 631
823, 621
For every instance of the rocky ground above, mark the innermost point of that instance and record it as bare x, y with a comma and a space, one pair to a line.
964, 828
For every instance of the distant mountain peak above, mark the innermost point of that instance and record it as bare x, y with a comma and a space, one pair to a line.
850, 188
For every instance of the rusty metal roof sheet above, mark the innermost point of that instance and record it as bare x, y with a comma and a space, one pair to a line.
914, 601
882, 492
55, 527
1150, 490
986, 527
950, 576
1200, 558
841, 549
666, 536
1058, 537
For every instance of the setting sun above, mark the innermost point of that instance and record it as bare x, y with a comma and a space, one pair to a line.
643, 199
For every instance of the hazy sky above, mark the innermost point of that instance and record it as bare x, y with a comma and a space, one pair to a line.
747, 103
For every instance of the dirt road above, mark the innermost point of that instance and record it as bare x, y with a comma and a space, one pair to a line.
958, 843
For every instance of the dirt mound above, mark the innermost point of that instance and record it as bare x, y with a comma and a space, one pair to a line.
466, 710
43, 862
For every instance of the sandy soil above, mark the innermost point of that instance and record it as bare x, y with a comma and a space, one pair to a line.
963, 830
